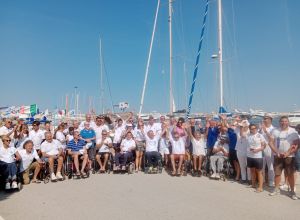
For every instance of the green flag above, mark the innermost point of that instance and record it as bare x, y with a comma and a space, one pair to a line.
33, 109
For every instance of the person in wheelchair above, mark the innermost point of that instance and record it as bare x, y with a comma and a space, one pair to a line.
220, 154
104, 149
152, 155
52, 150
178, 151
76, 149
127, 146
8, 163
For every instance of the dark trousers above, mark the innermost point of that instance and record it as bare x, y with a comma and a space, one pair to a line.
152, 158
208, 154
124, 158
8, 170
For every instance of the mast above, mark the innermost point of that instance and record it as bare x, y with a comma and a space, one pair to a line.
220, 51
171, 63
149, 58
101, 79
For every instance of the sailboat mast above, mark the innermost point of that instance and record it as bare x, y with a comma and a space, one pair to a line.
149, 58
171, 56
220, 50
101, 79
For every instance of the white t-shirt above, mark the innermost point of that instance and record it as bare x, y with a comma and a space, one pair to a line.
37, 137
69, 137
105, 147
27, 158
52, 148
284, 139
152, 144
267, 149
126, 144
98, 130
118, 134
7, 155
60, 136
153, 128
4, 130
178, 146
138, 134
241, 143
255, 141
92, 125
20, 141
225, 147
198, 146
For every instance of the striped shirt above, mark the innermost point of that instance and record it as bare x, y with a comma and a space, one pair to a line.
76, 146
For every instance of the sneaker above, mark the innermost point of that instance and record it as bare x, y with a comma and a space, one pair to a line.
213, 176
53, 177
284, 187
150, 169
7, 185
155, 169
14, 185
294, 196
218, 176
275, 192
59, 176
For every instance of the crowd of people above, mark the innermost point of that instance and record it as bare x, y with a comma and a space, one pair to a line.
258, 154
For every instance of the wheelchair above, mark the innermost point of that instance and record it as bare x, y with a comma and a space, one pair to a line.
45, 171
152, 170
227, 170
109, 164
129, 166
70, 169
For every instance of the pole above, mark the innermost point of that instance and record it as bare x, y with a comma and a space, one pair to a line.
101, 79
220, 50
171, 68
149, 58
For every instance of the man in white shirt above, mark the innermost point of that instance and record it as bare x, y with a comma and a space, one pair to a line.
118, 131
152, 155
104, 147
99, 127
28, 154
152, 126
52, 150
88, 119
36, 135
220, 153
284, 144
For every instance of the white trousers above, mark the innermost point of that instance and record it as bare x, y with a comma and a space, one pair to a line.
245, 172
269, 161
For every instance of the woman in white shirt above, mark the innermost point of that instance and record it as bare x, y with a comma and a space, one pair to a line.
60, 136
21, 135
139, 137
178, 151
198, 143
256, 145
8, 166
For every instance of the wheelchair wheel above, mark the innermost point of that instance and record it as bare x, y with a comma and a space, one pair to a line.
131, 168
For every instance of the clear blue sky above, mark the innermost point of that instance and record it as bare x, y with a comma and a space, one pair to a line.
48, 47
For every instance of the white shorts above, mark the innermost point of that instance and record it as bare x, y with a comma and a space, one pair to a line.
88, 145
164, 151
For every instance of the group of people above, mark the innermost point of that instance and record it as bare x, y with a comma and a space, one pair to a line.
249, 148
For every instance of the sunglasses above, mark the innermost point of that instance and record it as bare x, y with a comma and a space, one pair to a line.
9, 122
7, 140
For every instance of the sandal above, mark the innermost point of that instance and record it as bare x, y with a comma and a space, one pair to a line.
173, 173
258, 190
36, 181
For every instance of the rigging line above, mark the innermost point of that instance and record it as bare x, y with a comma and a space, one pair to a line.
197, 61
108, 84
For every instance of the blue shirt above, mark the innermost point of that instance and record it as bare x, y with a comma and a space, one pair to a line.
232, 138
76, 146
212, 137
87, 134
